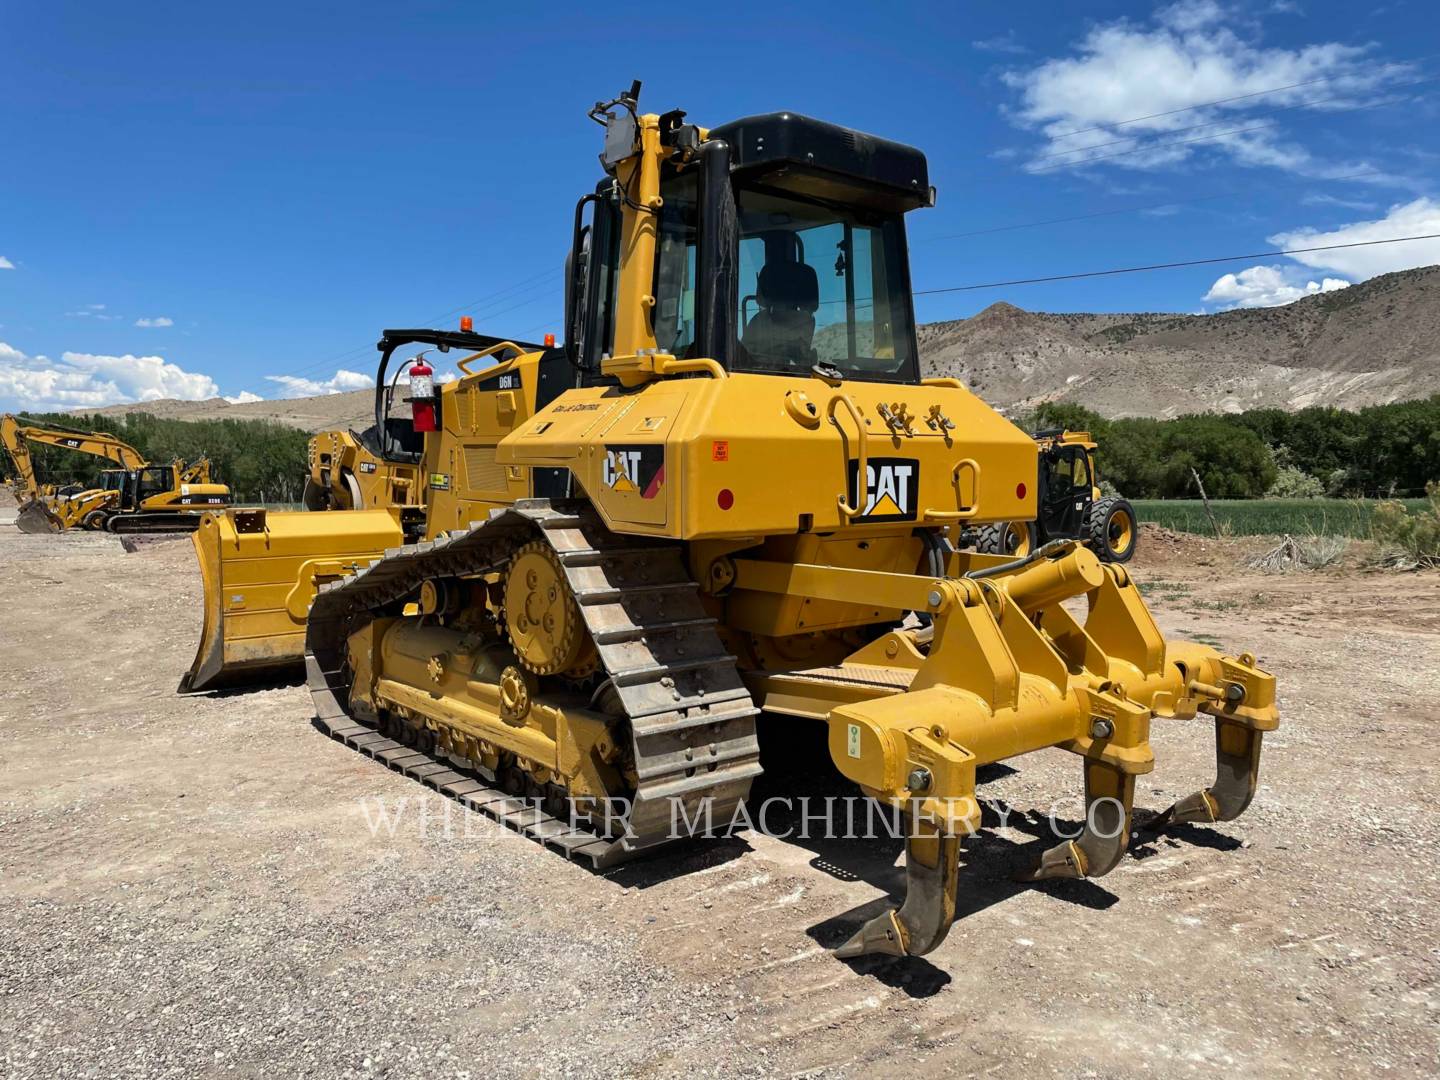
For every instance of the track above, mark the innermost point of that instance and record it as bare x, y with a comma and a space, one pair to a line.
691, 720
136, 524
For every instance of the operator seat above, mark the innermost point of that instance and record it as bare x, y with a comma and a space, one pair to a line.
782, 333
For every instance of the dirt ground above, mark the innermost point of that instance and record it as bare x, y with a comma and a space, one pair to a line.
190, 886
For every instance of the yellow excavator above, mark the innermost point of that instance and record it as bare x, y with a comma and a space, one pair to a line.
136, 497
730, 490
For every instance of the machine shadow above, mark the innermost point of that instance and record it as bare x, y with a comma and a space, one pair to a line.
797, 767
1145, 839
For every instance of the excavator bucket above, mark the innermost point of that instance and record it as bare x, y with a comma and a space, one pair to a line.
260, 572
35, 517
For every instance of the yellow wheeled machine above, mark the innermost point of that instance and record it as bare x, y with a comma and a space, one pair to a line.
1069, 505
731, 491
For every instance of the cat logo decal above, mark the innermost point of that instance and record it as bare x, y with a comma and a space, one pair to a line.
634, 470
892, 486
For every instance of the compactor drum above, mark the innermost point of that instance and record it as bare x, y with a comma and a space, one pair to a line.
730, 490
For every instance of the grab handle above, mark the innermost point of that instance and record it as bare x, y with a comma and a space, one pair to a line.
505, 365
964, 513
862, 465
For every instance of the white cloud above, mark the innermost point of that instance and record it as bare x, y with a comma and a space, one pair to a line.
6, 264
1418, 218
1186, 17
1003, 43
1190, 55
243, 397
1319, 198
91, 380
293, 386
92, 311
1266, 286
159, 320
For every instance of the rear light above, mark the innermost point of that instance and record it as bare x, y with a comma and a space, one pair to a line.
726, 499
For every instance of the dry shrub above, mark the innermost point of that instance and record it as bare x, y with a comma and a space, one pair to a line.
1406, 540
1308, 553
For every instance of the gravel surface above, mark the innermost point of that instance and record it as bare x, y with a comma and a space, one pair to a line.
201, 886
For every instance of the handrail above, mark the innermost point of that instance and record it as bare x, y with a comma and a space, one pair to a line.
963, 514
492, 350
695, 363
633, 370
862, 467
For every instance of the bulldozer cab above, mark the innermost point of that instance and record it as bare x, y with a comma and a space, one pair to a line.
779, 248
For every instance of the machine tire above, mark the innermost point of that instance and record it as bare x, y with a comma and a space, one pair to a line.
1112, 531
95, 520
1006, 538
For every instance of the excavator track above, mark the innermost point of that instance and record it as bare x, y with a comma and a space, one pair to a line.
690, 718
141, 524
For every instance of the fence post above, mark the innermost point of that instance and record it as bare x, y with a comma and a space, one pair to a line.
1206, 499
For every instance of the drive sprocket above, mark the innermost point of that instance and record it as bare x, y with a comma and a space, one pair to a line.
542, 616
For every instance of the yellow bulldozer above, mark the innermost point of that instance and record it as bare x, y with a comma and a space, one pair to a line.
136, 497
730, 490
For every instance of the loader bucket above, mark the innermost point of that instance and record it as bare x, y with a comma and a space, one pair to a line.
260, 571
34, 517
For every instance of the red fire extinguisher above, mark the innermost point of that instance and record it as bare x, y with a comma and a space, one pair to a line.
422, 395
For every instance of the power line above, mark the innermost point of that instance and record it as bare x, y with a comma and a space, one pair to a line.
1125, 210
1172, 265
514, 291
517, 288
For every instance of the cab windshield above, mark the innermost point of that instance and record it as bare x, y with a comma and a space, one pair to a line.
818, 284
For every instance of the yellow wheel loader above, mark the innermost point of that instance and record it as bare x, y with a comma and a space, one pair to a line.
137, 497
1069, 505
729, 491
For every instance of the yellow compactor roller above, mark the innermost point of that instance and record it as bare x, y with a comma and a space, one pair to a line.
731, 490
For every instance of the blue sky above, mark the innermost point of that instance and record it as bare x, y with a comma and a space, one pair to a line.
235, 199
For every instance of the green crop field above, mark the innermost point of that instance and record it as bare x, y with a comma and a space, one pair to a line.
1260, 517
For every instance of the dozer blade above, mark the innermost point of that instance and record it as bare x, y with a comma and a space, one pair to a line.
35, 518
260, 572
